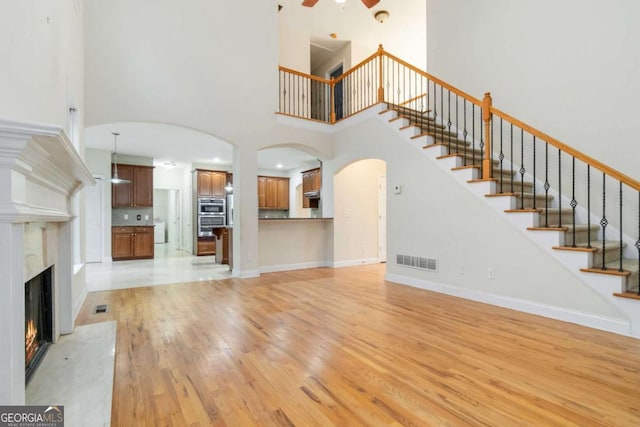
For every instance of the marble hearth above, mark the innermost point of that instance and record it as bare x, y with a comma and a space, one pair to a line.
40, 171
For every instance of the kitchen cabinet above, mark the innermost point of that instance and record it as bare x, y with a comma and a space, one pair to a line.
273, 192
131, 242
206, 246
138, 193
311, 181
211, 183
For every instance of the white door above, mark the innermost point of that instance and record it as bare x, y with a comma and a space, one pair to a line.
93, 221
382, 218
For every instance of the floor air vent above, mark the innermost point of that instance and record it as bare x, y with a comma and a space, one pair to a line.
102, 308
429, 264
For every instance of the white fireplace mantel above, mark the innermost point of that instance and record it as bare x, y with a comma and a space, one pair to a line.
40, 171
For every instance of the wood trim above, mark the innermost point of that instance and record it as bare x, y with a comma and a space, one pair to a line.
609, 271
304, 118
548, 228
502, 195
576, 249
522, 211
412, 99
436, 80
569, 150
301, 74
631, 295
356, 67
459, 168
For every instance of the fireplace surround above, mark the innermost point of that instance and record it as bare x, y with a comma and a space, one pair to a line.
40, 172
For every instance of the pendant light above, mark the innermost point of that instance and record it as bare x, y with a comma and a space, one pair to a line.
115, 179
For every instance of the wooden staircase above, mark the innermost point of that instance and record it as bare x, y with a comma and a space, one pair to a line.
518, 195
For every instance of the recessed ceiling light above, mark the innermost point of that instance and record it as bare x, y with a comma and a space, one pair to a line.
279, 165
169, 165
216, 159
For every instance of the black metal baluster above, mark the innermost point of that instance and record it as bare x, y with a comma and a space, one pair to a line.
620, 226
435, 111
449, 117
457, 124
501, 158
473, 135
442, 113
429, 108
298, 91
522, 169
604, 222
546, 184
534, 173
589, 206
559, 188
512, 176
465, 133
638, 243
481, 144
574, 203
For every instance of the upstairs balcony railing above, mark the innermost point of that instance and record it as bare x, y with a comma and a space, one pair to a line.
573, 191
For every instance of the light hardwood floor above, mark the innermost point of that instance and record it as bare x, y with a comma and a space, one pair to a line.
326, 347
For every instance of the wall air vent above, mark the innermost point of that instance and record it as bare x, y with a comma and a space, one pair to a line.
421, 263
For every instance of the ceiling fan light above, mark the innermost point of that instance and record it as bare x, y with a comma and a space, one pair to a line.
340, 1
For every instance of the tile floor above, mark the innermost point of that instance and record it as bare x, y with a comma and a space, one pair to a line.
77, 372
168, 266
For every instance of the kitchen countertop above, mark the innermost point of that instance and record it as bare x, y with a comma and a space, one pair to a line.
296, 219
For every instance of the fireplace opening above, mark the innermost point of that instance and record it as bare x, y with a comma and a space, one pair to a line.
38, 310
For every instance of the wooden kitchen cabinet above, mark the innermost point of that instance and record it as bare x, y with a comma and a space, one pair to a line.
311, 181
131, 242
273, 192
211, 183
138, 193
206, 246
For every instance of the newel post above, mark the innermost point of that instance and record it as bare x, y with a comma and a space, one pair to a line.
332, 106
380, 79
486, 117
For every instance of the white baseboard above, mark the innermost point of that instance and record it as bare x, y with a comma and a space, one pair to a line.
289, 267
107, 259
245, 274
77, 306
354, 262
618, 326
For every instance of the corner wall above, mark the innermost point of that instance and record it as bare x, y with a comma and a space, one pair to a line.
568, 68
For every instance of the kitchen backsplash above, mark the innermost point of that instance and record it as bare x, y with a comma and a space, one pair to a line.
129, 216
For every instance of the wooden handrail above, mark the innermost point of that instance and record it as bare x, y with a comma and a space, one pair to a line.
569, 150
308, 76
357, 67
412, 99
436, 80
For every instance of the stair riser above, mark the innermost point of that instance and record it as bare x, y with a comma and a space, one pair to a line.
581, 236
516, 188
528, 202
632, 282
611, 255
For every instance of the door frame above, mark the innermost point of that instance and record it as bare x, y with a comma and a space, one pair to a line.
340, 86
100, 181
382, 220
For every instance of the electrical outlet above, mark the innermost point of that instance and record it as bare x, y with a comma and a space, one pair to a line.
491, 273
461, 269
126, 216
146, 217
138, 217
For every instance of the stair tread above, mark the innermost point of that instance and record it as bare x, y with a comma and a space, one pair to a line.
596, 245
628, 294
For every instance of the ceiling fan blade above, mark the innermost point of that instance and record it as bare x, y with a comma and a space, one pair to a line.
370, 3
311, 3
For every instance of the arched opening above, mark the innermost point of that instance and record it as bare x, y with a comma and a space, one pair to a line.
360, 213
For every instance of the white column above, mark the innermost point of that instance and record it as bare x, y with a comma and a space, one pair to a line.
12, 380
64, 268
245, 225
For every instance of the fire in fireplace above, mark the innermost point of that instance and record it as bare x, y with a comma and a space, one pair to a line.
38, 310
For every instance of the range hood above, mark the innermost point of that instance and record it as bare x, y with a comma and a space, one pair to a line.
315, 194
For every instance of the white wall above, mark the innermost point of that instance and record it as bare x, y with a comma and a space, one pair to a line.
568, 68
436, 217
99, 163
294, 49
355, 201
